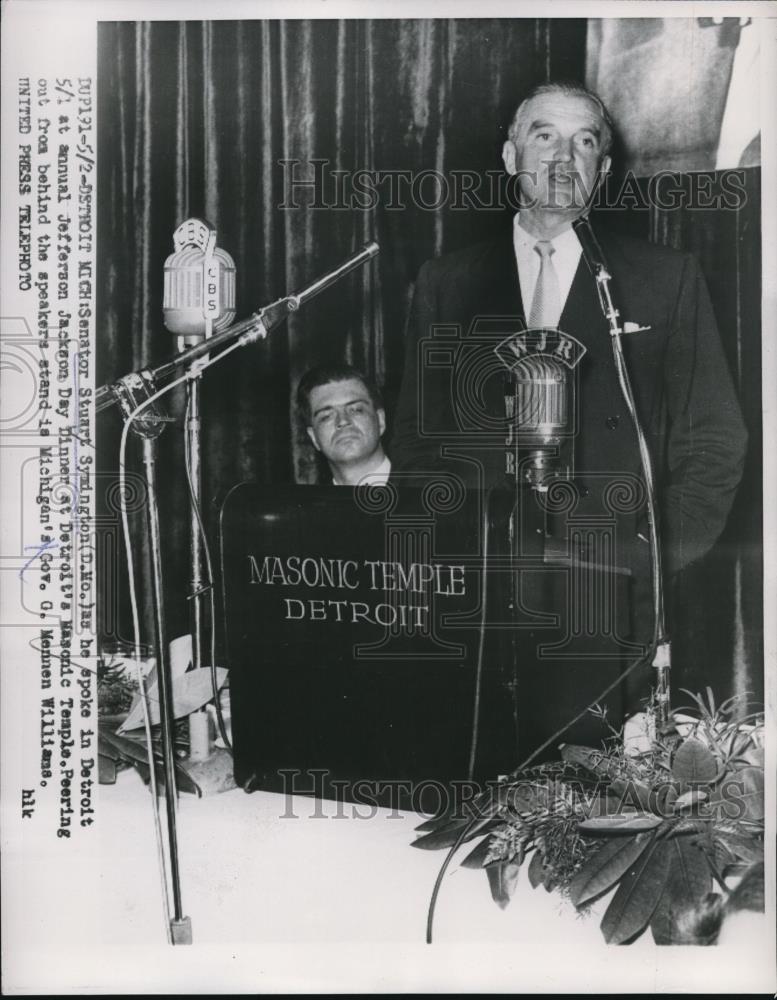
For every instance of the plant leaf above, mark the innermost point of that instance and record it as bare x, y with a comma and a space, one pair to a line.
439, 839
440, 825
689, 882
525, 796
130, 749
603, 805
183, 780
106, 770
662, 799
190, 692
134, 750
684, 825
637, 896
689, 799
754, 755
621, 823
753, 780
477, 857
105, 748
604, 869
745, 848
694, 763
593, 760
483, 806
502, 878
630, 793
741, 795
536, 873
435, 822
454, 819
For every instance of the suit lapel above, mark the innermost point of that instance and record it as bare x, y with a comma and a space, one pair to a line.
491, 289
503, 285
582, 315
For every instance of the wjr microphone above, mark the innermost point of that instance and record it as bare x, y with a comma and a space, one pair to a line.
541, 418
199, 296
540, 404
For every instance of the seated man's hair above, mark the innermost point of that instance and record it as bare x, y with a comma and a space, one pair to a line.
323, 375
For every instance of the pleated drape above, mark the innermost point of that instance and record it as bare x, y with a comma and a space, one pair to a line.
200, 118
213, 119
716, 604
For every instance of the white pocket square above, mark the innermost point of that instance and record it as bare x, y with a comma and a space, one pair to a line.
629, 327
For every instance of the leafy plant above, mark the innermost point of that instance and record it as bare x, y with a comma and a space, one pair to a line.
115, 689
661, 825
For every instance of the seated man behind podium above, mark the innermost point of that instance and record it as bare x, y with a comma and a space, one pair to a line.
345, 419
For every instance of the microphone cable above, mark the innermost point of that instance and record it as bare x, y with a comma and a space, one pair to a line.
210, 587
484, 541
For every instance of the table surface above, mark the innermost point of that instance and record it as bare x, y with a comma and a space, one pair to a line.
267, 875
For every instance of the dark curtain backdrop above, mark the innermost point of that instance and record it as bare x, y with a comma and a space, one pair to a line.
194, 119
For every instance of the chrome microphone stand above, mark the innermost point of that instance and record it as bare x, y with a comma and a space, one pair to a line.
131, 393
662, 658
137, 392
199, 299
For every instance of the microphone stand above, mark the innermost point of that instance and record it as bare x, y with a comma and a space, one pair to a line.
198, 585
131, 393
662, 658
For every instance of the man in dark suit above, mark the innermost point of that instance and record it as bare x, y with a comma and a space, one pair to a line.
451, 409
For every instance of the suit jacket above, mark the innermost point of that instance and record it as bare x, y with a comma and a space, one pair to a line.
464, 303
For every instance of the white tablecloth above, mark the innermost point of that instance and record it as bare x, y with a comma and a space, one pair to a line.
285, 894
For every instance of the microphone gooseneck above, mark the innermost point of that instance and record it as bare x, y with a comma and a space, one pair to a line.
592, 251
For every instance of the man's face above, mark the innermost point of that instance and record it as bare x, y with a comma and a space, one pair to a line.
345, 425
558, 152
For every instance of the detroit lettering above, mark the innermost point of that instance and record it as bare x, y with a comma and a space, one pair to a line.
407, 589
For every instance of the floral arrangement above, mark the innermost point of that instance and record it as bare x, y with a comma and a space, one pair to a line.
662, 820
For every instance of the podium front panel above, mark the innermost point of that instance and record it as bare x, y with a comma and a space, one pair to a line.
352, 636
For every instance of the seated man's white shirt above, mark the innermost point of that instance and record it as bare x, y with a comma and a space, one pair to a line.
379, 477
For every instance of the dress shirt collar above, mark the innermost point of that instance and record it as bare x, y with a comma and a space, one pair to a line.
565, 243
378, 477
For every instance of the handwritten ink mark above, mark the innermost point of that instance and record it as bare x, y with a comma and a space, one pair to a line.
39, 550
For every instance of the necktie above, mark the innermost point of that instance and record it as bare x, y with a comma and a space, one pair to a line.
546, 305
